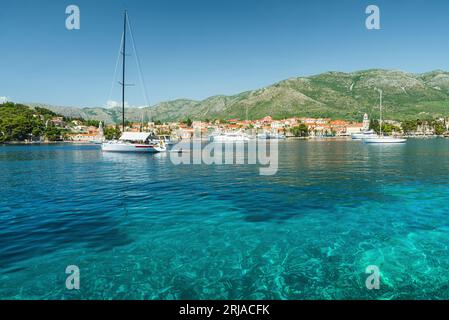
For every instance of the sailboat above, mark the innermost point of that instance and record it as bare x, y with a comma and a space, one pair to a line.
139, 142
381, 138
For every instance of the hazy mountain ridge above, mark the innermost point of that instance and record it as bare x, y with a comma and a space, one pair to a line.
331, 94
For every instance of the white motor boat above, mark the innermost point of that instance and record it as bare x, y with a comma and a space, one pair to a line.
229, 137
364, 135
270, 136
134, 142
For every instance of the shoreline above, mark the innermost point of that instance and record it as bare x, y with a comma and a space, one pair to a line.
336, 138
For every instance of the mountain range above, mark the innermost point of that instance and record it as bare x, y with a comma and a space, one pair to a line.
336, 95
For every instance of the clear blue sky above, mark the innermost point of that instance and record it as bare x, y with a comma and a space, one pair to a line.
198, 48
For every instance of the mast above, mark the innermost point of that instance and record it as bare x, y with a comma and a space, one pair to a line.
123, 71
380, 102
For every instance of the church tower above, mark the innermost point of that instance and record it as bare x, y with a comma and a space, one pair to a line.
365, 122
101, 130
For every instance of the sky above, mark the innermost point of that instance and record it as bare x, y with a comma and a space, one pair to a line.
196, 48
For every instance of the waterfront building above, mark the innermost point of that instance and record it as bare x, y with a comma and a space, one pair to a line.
355, 128
82, 137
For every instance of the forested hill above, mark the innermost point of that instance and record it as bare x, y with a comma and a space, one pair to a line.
19, 122
333, 94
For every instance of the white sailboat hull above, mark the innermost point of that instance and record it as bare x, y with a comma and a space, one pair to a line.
384, 140
131, 147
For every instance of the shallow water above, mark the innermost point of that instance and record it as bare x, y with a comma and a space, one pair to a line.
139, 227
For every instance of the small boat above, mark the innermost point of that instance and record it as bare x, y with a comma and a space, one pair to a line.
364, 135
270, 136
134, 142
229, 137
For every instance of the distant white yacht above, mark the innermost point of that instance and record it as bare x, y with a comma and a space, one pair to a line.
365, 132
229, 137
382, 139
270, 136
364, 135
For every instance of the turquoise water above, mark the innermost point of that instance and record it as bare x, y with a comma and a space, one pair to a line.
139, 227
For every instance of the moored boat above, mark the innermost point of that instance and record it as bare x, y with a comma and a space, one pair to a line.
229, 137
133, 142
382, 139
137, 142
270, 136
364, 135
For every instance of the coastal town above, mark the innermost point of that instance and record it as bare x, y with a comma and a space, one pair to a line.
23, 124
290, 128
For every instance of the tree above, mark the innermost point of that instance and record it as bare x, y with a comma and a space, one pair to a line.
45, 112
111, 133
189, 122
440, 128
52, 133
300, 131
409, 126
386, 127
19, 122
92, 123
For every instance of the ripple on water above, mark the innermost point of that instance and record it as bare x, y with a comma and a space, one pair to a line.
140, 227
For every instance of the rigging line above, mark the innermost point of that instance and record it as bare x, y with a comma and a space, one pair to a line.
139, 68
116, 68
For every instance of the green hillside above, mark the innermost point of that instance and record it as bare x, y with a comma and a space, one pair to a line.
19, 123
332, 94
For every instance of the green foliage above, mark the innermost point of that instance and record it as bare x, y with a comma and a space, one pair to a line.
300, 131
386, 127
188, 122
92, 123
45, 112
53, 133
439, 127
409, 126
19, 123
112, 133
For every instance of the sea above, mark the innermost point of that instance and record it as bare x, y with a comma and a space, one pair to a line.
337, 216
